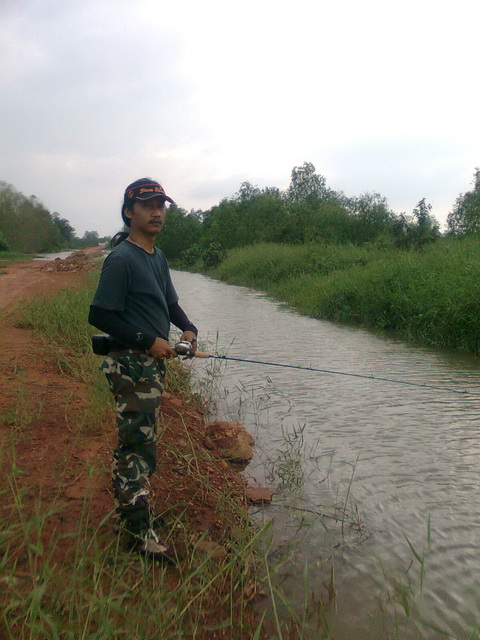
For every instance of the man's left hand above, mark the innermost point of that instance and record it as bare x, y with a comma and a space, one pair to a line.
189, 336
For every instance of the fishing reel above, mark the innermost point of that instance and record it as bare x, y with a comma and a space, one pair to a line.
183, 348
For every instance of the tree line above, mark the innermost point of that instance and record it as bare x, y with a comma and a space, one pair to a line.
307, 211
26, 226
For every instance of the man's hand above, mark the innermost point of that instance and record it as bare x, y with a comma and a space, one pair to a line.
161, 349
189, 336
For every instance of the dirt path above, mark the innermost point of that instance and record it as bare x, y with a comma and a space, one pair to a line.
38, 405
24, 371
23, 363
23, 280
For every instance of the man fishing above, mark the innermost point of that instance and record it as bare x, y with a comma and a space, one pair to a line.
135, 303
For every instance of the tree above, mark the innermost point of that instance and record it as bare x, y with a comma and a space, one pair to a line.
26, 224
422, 213
372, 217
306, 184
426, 229
465, 215
67, 232
247, 192
182, 230
4, 246
90, 239
251, 216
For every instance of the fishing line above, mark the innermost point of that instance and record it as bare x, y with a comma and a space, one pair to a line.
337, 373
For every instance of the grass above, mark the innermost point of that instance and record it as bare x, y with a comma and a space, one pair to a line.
101, 592
428, 296
10, 257
268, 265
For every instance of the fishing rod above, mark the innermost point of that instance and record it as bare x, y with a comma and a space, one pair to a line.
183, 348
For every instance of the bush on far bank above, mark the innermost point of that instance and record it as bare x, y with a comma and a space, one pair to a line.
429, 296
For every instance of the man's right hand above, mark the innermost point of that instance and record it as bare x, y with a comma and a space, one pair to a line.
161, 349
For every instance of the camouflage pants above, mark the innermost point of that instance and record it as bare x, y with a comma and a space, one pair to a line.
136, 380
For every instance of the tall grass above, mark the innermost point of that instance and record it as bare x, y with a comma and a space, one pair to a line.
268, 265
428, 296
99, 591
62, 318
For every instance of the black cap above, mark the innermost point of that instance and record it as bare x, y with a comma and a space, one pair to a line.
145, 192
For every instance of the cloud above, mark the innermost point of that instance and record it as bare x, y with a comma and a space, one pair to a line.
89, 89
405, 170
204, 96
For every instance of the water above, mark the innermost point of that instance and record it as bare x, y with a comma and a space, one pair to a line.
393, 462
48, 257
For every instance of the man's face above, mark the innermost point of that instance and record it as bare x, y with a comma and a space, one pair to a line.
147, 216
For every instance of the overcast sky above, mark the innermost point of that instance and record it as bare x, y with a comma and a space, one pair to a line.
379, 96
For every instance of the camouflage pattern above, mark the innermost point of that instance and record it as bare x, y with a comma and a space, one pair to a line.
136, 380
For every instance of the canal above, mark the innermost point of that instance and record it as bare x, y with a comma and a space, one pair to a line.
378, 503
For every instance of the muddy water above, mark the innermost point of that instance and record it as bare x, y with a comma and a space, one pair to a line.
392, 462
47, 257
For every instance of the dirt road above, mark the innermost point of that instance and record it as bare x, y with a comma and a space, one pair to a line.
24, 280
39, 405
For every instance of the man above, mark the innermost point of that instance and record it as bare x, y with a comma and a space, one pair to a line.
135, 303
